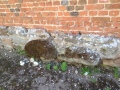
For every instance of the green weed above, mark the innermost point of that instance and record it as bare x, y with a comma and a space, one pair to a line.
48, 66
116, 72
64, 66
20, 51
55, 67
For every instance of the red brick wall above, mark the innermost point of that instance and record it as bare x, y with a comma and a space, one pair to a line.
87, 16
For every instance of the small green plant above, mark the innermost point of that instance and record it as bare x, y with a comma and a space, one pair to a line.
116, 72
48, 66
1, 88
55, 67
107, 88
64, 66
85, 71
93, 80
20, 51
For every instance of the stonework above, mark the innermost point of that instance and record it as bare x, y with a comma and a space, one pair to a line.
88, 49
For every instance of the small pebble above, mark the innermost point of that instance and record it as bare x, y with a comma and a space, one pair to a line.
22, 63
86, 73
35, 63
32, 60
76, 71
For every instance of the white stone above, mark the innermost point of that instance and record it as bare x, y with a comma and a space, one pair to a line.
86, 73
35, 63
22, 63
32, 60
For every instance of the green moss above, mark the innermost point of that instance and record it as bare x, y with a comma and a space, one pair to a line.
48, 66
55, 67
64, 66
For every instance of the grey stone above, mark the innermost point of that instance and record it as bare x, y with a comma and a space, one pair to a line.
3, 30
80, 55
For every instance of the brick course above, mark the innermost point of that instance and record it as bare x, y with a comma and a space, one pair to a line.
88, 16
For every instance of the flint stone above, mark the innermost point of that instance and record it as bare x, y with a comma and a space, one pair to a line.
6, 42
34, 34
80, 55
3, 30
113, 63
17, 30
42, 49
106, 47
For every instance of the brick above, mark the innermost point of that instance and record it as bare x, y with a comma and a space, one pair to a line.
18, 5
112, 6
20, 1
93, 13
26, 9
78, 23
12, 1
113, 30
49, 3
102, 24
66, 13
79, 7
51, 8
29, 5
82, 2
114, 13
92, 1
95, 7
98, 19
2, 10
70, 8
83, 13
87, 23
56, 3
41, 3
75, 18
60, 13
116, 24
103, 13
114, 1
73, 2
70, 23
62, 8
95, 29
103, 1
115, 19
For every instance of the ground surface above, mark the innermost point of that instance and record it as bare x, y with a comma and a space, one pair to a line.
28, 77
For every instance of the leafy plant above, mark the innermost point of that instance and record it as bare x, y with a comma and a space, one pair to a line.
64, 66
107, 88
1, 88
48, 66
85, 70
116, 72
93, 80
55, 67
20, 51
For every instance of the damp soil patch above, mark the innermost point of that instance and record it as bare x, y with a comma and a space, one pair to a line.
50, 76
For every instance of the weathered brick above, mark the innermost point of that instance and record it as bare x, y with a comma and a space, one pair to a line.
112, 6
82, 2
73, 2
98, 19
93, 13
92, 1
79, 7
56, 3
114, 13
116, 24
115, 19
103, 12
114, 1
83, 13
70, 8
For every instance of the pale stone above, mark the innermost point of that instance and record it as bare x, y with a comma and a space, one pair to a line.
7, 42
113, 63
35, 63
3, 30
22, 63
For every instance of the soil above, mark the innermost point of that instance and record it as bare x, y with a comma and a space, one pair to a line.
29, 77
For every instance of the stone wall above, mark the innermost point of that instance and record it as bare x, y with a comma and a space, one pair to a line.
88, 49
88, 16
